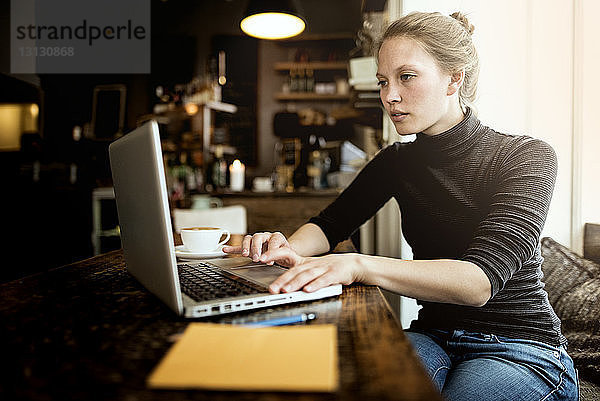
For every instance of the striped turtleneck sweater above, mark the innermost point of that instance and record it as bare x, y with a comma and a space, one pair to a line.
472, 194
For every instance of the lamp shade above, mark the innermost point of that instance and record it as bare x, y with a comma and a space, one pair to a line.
272, 19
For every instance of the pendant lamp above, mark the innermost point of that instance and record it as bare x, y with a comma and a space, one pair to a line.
272, 19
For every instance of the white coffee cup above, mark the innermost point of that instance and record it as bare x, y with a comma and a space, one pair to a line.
203, 239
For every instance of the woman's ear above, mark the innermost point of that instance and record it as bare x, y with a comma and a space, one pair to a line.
456, 81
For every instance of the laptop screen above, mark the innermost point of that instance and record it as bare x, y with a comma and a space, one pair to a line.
143, 210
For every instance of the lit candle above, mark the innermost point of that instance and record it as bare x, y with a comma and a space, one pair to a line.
236, 176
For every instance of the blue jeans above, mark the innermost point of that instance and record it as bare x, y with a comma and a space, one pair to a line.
473, 366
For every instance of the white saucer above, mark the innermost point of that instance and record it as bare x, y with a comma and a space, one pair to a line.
182, 253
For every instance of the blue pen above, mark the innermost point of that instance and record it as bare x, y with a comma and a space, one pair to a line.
280, 321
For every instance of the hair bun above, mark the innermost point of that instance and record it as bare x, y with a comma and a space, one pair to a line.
460, 17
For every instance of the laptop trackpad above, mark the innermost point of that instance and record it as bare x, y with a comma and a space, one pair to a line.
262, 274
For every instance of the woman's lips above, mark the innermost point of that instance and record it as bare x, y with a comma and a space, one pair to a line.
398, 116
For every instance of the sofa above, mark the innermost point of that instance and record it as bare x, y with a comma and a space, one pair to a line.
573, 286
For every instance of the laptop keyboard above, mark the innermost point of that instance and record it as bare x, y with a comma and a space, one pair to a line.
202, 282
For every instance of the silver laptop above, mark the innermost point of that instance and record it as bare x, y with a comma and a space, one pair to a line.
192, 289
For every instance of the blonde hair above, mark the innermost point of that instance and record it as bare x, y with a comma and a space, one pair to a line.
448, 40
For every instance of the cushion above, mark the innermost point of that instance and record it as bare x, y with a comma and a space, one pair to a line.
573, 286
588, 391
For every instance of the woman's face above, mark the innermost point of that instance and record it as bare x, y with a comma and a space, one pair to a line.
415, 92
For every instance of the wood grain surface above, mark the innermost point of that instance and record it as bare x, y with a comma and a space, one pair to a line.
90, 331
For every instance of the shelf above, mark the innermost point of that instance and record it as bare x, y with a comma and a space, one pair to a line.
313, 65
366, 87
220, 106
182, 147
165, 110
369, 84
369, 95
113, 232
172, 147
311, 96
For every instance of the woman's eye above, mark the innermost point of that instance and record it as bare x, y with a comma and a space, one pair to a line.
406, 77
381, 83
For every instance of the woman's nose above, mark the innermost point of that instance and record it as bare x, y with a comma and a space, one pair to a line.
391, 94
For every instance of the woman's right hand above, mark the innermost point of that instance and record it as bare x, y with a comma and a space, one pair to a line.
260, 246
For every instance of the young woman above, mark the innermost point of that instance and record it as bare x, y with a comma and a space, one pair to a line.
473, 204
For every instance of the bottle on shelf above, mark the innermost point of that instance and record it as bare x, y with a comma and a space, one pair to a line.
310, 80
194, 177
293, 80
301, 80
219, 169
175, 183
301, 56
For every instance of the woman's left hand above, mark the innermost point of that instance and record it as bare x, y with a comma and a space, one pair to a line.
314, 273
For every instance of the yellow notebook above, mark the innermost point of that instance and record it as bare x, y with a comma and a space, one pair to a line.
225, 357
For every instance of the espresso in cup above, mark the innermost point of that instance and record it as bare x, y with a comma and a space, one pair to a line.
203, 239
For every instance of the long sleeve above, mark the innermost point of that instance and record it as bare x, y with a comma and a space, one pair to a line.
509, 234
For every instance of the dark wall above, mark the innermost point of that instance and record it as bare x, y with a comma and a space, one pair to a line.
241, 90
184, 33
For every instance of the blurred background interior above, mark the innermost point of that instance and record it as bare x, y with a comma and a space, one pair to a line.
285, 109
279, 127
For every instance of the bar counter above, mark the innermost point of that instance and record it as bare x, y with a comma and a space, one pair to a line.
90, 331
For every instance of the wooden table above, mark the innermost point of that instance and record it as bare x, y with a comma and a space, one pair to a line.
90, 331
